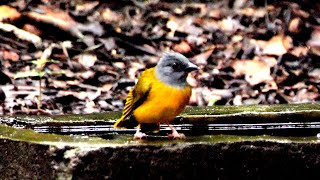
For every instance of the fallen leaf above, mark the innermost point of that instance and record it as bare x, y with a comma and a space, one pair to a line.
8, 13
255, 71
294, 25
305, 96
253, 12
173, 26
87, 60
111, 16
59, 84
8, 55
214, 13
109, 43
314, 41
84, 7
183, 47
87, 74
201, 59
278, 45
185, 25
90, 107
300, 51
80, 95
119, 65
57, 18
196, 40
106, 87
21, 34
237, 100
298, 11
230, 25
32, 29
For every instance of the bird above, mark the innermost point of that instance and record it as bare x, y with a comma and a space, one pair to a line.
161, 93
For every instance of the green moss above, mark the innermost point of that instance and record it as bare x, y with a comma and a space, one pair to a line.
216, 112
28, 135
224, 110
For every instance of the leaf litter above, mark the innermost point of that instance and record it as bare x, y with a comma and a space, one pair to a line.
248, 52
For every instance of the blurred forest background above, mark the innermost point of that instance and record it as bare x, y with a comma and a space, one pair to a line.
80, 56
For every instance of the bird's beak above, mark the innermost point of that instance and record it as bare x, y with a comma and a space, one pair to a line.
191, 67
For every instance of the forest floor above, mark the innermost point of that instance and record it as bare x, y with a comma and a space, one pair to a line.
86, 55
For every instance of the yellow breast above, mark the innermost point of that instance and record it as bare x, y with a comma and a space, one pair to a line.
163, 103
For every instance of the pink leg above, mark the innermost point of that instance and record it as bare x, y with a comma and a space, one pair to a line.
138, 134
175, 134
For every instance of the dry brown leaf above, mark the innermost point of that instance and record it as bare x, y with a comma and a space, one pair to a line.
109, 43
185, 25
59, 84
300, 51
278, 45
315, 73
196, 40
294, 25
172, 24
305, 96
85, 6
183, 47
32, 29
106, 87
230, 25
57, 18
269, 61
298, 11
80, 95
87, 60
237, 100
87, 74
90, 107
237, 38
255, 71
111, 16
257, 13
8, 55
119, 65
201, 59
73, 83
314, 41
215, 13
21, 34
8, 13
299, 85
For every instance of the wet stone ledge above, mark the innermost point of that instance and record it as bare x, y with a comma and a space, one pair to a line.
73, 147
207, 157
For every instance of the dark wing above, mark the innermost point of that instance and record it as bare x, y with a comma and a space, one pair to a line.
135, 98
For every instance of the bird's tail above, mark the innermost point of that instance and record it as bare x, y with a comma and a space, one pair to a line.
130, 122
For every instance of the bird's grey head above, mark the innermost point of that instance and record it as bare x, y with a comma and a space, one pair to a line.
173, 69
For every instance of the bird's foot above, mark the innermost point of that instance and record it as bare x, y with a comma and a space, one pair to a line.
139, 135
176, 135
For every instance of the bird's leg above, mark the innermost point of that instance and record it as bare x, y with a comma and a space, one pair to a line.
138, 134
175, 134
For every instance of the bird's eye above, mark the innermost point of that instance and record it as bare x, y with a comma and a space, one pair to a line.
175, 65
